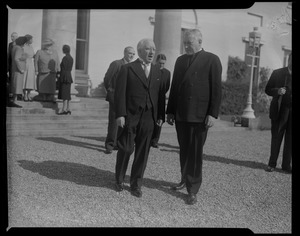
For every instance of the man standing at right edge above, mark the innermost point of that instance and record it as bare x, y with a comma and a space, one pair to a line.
279, 86
193, 106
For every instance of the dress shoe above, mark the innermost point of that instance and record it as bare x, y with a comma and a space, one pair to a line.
136, 192
154, 145
191, 199
179, 186
119, 187
12, 104
270, 169
63, 113
108, 151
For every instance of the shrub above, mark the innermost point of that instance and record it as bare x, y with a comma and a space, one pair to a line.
237, 70
235, 94
234, 98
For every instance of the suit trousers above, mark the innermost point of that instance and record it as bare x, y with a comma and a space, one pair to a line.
191, 138
279, 128
156, 134
135, 136
110, 141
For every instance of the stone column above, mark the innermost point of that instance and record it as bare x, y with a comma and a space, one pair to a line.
60, 25
167, 35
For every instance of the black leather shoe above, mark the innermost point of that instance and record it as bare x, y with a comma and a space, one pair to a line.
108, 151
270, 169
136, 192
179, 186
63, 113
119, 187
12, 104
191, 199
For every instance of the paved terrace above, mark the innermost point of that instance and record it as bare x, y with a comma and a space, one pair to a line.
68, 181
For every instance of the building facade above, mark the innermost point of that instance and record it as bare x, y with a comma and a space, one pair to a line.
97, 37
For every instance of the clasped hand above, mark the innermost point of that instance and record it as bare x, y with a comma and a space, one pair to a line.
209, 120
121, 122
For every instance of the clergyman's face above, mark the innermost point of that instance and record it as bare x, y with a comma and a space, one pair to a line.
191, 44
147, 52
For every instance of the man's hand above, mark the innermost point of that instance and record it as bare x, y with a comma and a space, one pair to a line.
281, 91
121, 121
209, 121
170, 119
159, 122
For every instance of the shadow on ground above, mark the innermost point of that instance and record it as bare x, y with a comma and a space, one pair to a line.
89, 176
224, 160
65, 141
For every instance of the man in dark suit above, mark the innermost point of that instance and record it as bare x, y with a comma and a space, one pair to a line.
279, 87
193, 106
109, 84
166, 77
139, 104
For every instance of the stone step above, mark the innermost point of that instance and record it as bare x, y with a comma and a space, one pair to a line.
89, 116
57, 132
46, 117
51, 124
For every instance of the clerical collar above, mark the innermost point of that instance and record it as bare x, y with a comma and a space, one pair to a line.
125, 62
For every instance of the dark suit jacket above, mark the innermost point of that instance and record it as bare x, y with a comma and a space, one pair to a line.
110, 78
133, 90
196, 89
10, 49
166, 77
277, 80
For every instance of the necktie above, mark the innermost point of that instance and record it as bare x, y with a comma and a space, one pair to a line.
146, 69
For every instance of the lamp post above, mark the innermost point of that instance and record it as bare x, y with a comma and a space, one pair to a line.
254, 42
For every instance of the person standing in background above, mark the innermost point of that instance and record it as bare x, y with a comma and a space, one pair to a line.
139, 104
29, 74
13, 36
279, 87
65, 80
46, 67
109, 84
9, 95
193, 105
18, 67
166, 77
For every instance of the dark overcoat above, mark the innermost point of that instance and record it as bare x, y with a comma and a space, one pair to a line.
196, 88
278, 79
110, 78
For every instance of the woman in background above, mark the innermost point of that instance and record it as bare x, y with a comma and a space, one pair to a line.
46, 65
29, 74
65, 80
18, 67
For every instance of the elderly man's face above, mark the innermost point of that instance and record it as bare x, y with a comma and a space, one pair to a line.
147, 52
129, 54
191, 44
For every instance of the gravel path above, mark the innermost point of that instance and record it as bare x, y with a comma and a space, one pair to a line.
69, 182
